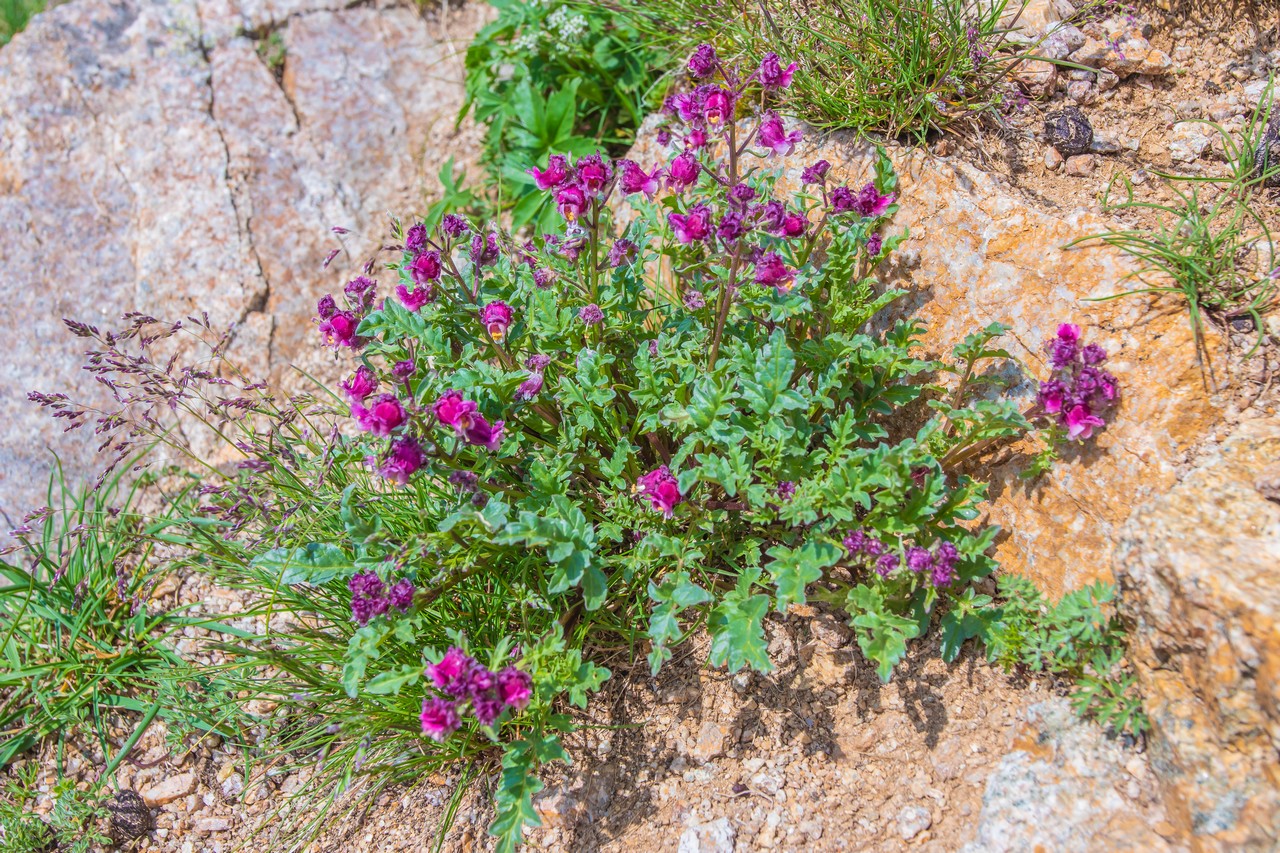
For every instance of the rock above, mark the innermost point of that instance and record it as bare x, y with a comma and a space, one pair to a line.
1188, 141
151, 161
1081, 91
170, 788
1107, 80
716, 836
1123, 56
1069, 131
212, 824
1082, 165
1253, 93
1038, 77
130, 818
1052, 159
1069, 35
980, 253
1030, 16
1065, 787
1267, 157
710, 742
912, 821
1197, 567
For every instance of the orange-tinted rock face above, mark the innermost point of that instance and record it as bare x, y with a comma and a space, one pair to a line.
981, 253
1200, 570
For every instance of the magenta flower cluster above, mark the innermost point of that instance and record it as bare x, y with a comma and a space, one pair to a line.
1079, 392
338, 326
371, 597
453, 410
464, 682
661, 489
937, 565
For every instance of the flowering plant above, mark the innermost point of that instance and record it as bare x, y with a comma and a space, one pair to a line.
680, 409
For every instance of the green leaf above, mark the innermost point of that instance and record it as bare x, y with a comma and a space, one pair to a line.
676, 593
314, 563
394, 680
884, 634
737, 628
767, 387
362, 648
793, 569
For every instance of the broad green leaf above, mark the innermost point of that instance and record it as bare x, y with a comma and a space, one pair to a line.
793, 569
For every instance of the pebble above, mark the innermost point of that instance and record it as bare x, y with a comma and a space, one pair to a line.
212, 824
717, 836
912, 821
1082, 165
169, 789
1052, 159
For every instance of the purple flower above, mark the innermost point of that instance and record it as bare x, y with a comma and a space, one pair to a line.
496, 318
326, 307
703, 61
623, 251
404, 369
484, 249
886, 565
815, 174
854, 541
661, 489
383, 417
693, 226
404, 458
771, 215
944, 564
774, 136
636, 180
483, 434
772, 75
414, 299
717, 106
693, 300
1062, 351
686, 106
556, 173
1052, 395
452, 410
663, 137
683, 171
537, 363
591, 314
1081, 423
1093, 355
919, 560
368, 598
530, 388
593, 172
870, 203
732, 225
452, 674
1098, 382
359, 385
439, 718
793, 225
842, 200
771, 271
542, 278
454, 225
571, 201
874, 244
425, 267
415, 239
653, 348
465, 481
339, 330
786, 490
695, 139
401, 595
360, 292
515, 688
741, 193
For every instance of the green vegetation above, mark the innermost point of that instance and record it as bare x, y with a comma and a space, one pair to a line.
899, 67
15, 15
550, 77
71, 826
1209, 244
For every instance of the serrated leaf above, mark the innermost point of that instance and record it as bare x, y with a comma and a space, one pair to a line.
393, 681
793, 569
314, 563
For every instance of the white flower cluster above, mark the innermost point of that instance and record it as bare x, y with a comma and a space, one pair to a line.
567, 27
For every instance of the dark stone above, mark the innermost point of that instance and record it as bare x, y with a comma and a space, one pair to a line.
130, 817
1068, 131
1268, 154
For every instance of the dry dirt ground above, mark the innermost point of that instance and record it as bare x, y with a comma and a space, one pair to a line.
817, 755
